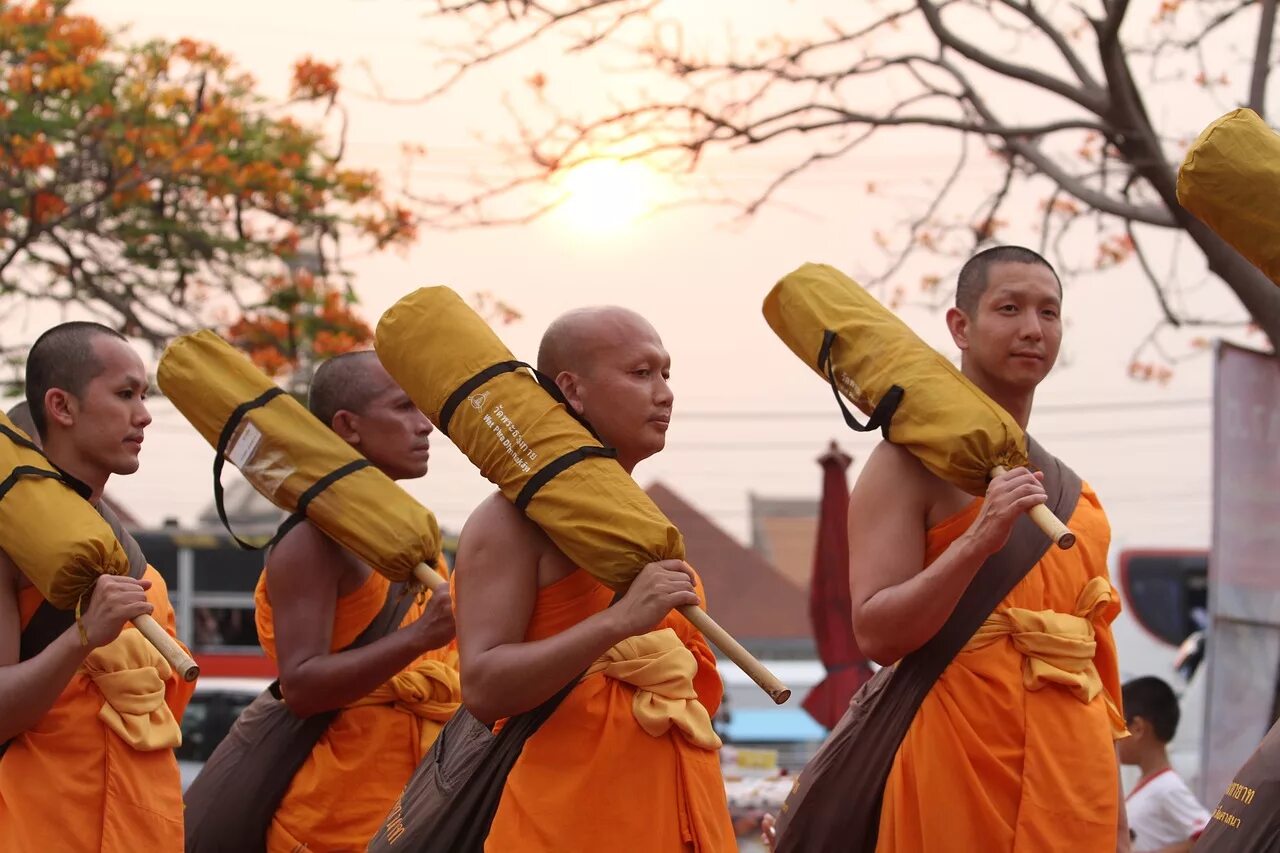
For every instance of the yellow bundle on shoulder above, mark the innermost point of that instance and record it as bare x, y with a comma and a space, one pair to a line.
1230, 179
520, 434
908, 390
58, 540
295, 461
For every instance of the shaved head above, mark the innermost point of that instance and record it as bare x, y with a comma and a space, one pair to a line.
63, 358
574, 340
976, 273
613, 371
346, 382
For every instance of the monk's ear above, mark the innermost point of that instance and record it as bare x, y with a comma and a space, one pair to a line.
958, 323
347, 425
60, 407
570, 388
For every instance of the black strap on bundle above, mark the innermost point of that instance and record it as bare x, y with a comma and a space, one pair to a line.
548, 472
555, 466
304, 500
881, 416
465, 390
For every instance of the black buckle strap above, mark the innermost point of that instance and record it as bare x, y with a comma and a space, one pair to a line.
312, 492
20, 439
881, 416
554, 467
25, 471
464, 390
220, 456
546, 382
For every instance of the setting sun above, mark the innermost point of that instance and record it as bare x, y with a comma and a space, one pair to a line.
606, 195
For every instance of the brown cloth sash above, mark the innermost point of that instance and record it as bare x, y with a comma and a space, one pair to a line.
230, 805
835, 804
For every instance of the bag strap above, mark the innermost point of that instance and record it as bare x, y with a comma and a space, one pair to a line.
387, 619
304, 500
547, 472
220, 458
881, 417
463, 391
474, 804
1002, 571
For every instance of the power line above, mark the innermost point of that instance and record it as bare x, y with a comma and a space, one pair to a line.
1093, 406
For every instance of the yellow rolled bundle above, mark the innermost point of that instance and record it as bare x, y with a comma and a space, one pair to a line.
909, 390
524, 441
1230, 179
295, 461
64, 559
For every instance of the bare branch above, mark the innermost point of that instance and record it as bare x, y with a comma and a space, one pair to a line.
1262, 59
1045, 26
1094, 102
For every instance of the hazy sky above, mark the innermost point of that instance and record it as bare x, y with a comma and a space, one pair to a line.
748, 415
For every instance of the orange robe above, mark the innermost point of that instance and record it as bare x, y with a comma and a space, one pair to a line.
592, 777
342, 793
1012, 750
72, 782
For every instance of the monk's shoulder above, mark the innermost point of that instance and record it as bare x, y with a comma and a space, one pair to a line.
893, 481
497, 533
497, 521
307, 549
891, 467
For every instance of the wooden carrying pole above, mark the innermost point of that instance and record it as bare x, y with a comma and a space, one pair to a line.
428, 577
735, 652
167, 646
1046, 520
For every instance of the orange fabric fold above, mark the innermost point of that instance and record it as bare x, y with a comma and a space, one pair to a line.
593, 778
1012, 748
342, 793
72, 782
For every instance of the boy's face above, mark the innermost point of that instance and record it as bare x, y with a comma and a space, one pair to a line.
1140, 737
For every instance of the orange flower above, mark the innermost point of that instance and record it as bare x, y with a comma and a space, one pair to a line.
33, 153
270, 360
313, 80
45, 206
20, 79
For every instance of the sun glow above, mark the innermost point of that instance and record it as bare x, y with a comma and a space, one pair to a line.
602, 196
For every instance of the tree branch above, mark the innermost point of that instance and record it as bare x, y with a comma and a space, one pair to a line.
1093, 102
1262, 59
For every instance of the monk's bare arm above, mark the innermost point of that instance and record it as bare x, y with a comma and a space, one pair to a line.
898, 604
303, 574
29, 689
497, 582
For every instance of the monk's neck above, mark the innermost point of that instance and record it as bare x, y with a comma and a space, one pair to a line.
71, 462
1016, 402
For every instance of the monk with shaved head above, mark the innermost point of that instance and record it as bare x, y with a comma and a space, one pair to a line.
623, 764
392, 694
88, 712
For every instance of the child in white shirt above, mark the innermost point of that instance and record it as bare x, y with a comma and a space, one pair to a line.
1164, 815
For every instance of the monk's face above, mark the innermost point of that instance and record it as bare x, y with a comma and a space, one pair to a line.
105, 422
1012, 339
389, 429
622, 388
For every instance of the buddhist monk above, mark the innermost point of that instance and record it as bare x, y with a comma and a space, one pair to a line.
1012, 749
92, 718
595, 776
315, 598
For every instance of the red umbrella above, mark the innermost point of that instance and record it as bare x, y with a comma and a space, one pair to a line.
830, 607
